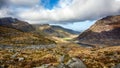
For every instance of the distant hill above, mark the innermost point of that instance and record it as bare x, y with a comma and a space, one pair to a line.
105, 31
54, 30
16, 24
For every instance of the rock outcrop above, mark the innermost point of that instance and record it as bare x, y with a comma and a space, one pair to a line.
105, 31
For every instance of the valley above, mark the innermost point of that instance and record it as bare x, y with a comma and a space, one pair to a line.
49, 46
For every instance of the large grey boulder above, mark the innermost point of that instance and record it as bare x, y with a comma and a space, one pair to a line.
116, 66
76, 63
72, 63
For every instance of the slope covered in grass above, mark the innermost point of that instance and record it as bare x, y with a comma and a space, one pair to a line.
10, 36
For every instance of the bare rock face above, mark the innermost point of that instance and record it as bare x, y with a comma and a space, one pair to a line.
105, 32
16, 24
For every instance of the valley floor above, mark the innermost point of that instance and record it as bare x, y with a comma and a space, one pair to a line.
58, 56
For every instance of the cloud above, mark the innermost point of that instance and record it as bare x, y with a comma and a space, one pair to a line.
24, 2
78, 10
65, 11
9, 8
3, 3
4, 11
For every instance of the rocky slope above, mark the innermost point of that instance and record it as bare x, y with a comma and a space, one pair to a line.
105, 31
15, 23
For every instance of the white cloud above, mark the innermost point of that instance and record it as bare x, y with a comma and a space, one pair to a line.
24, 2
78, 10
67, 10
4, 12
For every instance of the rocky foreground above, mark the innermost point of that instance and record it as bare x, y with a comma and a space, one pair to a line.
57, 56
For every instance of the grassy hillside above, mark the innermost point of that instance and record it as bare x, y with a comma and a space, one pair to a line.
15, 37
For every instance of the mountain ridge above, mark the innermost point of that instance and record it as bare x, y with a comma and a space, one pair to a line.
20, 34
16, 24
105, 31
55, 30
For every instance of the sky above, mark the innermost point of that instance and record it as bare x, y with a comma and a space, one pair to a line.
77, 26
74, 14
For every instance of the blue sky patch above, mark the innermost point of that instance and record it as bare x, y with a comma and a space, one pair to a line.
49, 4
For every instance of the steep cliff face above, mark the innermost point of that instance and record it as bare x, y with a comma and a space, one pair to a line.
15, 23
105, 31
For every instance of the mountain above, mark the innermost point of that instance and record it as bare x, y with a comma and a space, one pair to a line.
56, 33
16, 32
54, 30
105, 31
15, 23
